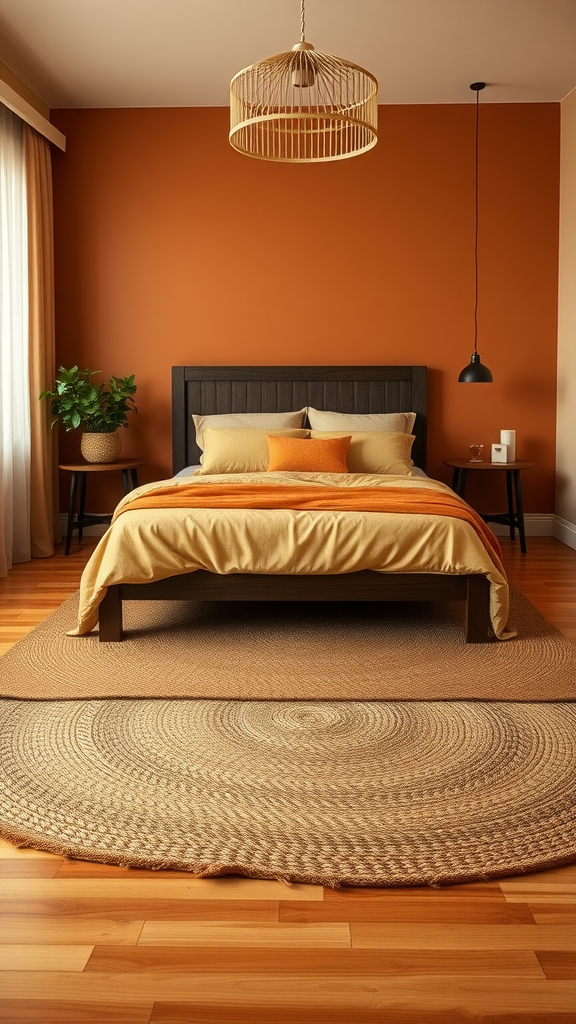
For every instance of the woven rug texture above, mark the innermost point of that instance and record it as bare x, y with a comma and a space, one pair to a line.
286, 651
335, 793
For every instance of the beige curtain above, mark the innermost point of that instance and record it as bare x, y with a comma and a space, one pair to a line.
44, 519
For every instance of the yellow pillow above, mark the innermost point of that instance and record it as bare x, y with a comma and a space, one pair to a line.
306, 456
374, 451
270, 421
238, 450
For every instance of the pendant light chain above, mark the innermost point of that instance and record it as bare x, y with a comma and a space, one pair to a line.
302, 22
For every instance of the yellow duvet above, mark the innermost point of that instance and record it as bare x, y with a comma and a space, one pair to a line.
153, 543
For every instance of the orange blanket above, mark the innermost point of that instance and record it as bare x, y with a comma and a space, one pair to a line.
346, 499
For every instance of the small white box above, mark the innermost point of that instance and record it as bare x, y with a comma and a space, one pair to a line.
508, 437
499, 453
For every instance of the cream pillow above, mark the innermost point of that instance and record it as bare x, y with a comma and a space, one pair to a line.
398, 422
239, 450
256, 420
376, 451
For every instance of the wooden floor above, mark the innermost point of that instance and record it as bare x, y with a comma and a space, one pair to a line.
84, 943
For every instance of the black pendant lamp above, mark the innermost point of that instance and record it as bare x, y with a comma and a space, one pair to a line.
476, 372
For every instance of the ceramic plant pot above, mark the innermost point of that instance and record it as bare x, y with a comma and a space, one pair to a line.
101, 447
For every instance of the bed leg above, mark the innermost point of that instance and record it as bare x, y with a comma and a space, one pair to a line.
477, 626
110, 616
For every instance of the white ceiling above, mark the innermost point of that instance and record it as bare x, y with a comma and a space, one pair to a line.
171, 53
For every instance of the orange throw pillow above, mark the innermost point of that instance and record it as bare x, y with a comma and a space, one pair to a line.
299, 455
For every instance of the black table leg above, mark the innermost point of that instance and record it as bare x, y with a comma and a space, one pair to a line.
80, 519
511, 515
71, 509
129, 479
519, 509
459, 481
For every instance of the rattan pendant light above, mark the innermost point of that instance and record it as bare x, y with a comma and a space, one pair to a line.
303, 106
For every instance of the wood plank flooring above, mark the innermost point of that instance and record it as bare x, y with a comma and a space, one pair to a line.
85, 943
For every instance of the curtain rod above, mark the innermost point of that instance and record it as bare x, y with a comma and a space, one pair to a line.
11, 99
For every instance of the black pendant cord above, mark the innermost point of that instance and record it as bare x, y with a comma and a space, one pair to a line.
475, 373
477, 86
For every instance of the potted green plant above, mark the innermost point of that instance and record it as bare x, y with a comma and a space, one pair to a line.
99, 410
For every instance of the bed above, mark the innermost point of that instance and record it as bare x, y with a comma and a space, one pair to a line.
347, 389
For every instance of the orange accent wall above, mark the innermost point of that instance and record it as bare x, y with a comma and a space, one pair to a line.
172, 248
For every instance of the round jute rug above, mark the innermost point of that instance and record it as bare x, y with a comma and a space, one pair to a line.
339, 793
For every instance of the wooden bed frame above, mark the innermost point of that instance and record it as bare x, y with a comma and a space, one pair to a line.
354, 389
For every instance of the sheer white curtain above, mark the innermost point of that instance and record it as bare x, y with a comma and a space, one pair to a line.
14, 388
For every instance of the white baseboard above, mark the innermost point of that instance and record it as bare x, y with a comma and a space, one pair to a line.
565, 531
542, 525
97, 530
535, 525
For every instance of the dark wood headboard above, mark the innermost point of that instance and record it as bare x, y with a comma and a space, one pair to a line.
219, 389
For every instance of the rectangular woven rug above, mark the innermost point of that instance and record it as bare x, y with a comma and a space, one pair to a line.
293, 651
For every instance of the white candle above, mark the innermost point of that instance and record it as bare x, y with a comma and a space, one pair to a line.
508, 437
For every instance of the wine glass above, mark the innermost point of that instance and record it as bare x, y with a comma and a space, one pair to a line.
476, 452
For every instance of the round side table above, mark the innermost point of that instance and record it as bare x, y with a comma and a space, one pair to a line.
80, 472
514, 517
